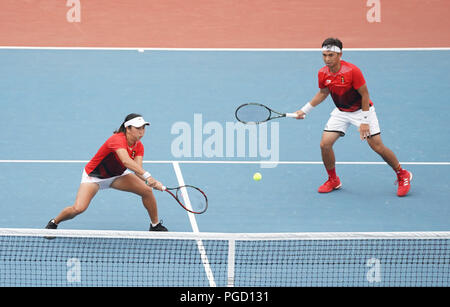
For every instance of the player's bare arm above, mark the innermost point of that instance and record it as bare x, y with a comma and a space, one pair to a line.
321, 95
136, 167
364, 130
129, 163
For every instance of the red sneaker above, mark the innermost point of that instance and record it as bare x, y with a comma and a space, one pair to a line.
404, 182
330, 185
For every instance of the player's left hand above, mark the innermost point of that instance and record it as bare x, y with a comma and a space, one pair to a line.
364, 131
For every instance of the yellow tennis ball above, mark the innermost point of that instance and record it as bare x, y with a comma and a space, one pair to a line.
257, 176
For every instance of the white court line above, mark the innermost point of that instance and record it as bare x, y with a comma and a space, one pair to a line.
187, 201
236, 162
194, 225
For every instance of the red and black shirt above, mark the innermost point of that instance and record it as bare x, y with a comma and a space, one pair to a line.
343, 86
106, 163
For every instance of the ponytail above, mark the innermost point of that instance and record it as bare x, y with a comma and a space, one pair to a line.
121, 129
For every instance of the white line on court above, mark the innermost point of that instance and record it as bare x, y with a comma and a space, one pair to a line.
194, 225
187, 201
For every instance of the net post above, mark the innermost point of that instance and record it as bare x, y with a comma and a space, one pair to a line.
231, 258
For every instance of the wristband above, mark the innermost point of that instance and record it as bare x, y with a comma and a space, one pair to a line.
307, 108
365, 117
146, 175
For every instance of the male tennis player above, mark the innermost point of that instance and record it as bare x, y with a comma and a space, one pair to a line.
110, 168
346, 84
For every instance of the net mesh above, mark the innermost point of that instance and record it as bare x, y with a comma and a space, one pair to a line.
105, 258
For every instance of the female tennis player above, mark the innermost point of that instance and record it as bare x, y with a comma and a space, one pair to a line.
346, 84
110, 168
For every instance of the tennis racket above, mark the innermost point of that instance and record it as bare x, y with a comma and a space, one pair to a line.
191, 198
256, 113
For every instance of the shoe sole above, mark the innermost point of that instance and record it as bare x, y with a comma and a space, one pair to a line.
336, 188
50, 238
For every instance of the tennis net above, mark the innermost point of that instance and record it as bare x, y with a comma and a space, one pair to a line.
28, 257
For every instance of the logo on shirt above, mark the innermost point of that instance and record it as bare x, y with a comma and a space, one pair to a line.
133, 154
342, 80
328, 81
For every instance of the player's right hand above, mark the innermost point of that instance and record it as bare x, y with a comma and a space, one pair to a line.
300, 114
155, 184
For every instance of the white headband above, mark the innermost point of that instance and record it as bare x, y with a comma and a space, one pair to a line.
136, 122
332, 48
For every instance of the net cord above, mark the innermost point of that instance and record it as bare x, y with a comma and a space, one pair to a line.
118, 234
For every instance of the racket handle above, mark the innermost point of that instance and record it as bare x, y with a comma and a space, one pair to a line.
293, 115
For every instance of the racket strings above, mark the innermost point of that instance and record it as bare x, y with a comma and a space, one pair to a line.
192, 199
253, 113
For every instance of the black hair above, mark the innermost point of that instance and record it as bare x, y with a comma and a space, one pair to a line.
127, 118
331, 41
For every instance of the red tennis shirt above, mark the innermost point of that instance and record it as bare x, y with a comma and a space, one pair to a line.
106, 163
343, 86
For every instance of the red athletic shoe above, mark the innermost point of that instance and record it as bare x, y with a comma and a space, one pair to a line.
404, 182
330, 185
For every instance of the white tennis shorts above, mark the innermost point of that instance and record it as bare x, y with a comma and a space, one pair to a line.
340, 121
102, 183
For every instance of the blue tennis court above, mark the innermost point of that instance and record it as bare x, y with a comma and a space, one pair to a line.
60, 105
